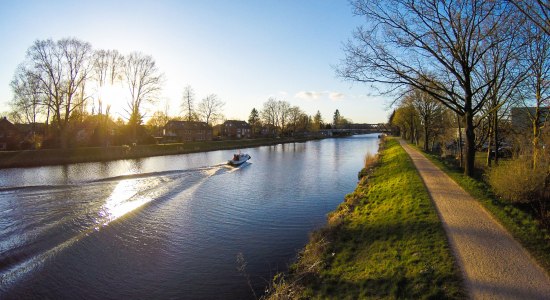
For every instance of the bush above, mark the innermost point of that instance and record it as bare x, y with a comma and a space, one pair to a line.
517, 182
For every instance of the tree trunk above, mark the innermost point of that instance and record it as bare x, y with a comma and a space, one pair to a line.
495, 136
470, 143
426, 137
412, 129
490, 142
460, 152
536, 133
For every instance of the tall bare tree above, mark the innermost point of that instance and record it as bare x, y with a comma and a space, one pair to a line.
501, 65
431, 45
28, 97
187, 104
144, 81
283, 107
536, 87
61, 68
295, 115
107, 65
210, 108
270, 113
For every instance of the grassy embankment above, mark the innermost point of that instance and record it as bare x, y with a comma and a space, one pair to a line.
519, 223
10, 159
384, 241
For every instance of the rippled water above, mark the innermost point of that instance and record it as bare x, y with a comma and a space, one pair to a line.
169, 227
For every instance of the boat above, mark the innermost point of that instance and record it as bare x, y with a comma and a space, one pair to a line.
238, 159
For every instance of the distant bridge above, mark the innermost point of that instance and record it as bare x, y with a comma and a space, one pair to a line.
360, 129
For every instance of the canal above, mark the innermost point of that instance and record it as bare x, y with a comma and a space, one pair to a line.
172, 226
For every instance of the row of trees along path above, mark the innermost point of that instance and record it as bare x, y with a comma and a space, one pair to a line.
493, 264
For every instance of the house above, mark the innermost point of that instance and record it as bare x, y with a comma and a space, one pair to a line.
236, 129
10, 137
522, 126
32, 135
268, 130
522, 118
187, 131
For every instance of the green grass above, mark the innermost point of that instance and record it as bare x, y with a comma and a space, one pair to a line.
519, 223
384, 242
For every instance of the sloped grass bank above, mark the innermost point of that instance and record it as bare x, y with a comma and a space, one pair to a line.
385, 241
523, 226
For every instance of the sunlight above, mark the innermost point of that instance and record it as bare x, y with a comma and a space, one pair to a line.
122, 200
113, 96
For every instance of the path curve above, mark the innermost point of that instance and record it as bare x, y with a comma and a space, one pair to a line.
493, 264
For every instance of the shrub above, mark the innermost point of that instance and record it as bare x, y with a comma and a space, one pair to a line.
517, 182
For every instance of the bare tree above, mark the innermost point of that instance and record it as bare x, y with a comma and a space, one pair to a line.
270, 113
501, 65
187, 104
107, 65
429, 111
283, 107
406, 117
116, 64
537, 11
100, 69
295, 115
61, 68
28, 96
276, 113
536, 87
210, 108
431, 45
144, 82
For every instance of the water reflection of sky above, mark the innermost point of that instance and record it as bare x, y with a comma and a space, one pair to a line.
84, 172
175, 234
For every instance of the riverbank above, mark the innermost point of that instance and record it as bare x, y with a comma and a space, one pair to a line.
33, 158
384, 241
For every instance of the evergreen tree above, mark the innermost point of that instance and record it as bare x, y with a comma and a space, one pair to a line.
317, 121
336, 119
254, 120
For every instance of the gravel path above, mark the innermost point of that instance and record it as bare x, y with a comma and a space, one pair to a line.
493, 264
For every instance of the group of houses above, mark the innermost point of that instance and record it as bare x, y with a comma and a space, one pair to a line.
14, 136
187, 131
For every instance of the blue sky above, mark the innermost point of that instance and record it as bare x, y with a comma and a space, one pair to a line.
243, 51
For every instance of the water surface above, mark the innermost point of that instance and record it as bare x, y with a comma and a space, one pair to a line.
169, 227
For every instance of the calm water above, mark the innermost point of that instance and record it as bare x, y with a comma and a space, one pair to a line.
169, 227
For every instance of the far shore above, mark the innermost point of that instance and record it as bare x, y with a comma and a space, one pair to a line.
47, 157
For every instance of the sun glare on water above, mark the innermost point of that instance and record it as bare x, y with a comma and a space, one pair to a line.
124, 199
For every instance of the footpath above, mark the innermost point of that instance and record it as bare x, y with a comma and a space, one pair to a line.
493, 264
